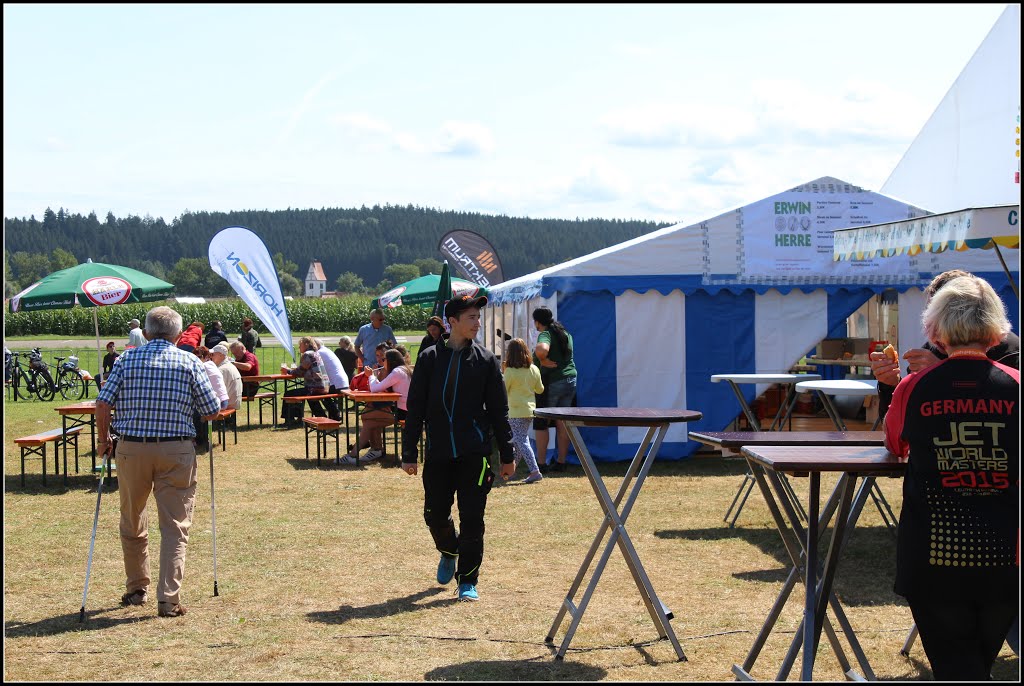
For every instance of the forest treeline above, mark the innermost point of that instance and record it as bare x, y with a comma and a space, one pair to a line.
358, 248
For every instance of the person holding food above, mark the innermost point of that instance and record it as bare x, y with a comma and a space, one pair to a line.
956, 424
887, 369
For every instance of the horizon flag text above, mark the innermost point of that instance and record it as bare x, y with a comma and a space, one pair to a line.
241, 258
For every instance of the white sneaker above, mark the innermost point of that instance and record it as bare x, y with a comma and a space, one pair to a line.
348, 459
372, 455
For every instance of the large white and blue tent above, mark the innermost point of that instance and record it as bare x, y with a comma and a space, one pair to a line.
749, 291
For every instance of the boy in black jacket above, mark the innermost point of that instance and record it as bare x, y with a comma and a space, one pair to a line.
458, 392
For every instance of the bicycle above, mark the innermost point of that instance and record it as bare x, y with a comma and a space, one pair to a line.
36, 379
69, 381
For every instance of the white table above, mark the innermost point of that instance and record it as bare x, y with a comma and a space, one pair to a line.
782, 379
860, 388
788, 380
825, 389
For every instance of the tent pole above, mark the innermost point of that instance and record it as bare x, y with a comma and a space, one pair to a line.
99, 355
1013, 284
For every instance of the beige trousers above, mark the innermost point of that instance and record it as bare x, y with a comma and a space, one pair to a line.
168, 470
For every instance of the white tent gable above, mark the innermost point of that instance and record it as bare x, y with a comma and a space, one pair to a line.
968, 153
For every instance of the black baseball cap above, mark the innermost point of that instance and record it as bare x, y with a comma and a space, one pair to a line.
457, 306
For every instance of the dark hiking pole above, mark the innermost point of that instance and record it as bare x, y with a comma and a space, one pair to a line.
104, 470
213, 507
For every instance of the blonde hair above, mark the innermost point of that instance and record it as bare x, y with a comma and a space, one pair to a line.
965, 311
517, 355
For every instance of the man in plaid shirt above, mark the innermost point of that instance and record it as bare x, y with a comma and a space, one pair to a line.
155, 389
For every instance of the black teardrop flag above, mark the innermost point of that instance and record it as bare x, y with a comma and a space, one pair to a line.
472, 256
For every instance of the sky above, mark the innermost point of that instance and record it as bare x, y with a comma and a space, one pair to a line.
667, 113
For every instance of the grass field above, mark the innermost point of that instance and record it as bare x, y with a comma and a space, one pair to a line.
328, 574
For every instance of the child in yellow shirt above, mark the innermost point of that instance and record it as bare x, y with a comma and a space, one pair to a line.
522, 383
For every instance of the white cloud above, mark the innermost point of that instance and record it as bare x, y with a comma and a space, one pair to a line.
303, 106
598, 180
360, 123
454, 138
783, 110
676, 125
464, 139
55, 144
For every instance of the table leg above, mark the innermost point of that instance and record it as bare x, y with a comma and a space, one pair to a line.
748, 485
845, 521
581, 573
831, 411
756, 425
822, 593
810, 573
64, 431
659, 613
783, 404
797, 557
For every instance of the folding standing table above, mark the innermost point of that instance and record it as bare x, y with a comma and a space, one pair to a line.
657, 422
788, 380
851, 463
860, 388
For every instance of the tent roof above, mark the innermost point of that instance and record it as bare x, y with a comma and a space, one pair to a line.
719, 253
964, 154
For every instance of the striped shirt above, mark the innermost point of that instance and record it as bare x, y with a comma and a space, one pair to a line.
155, 389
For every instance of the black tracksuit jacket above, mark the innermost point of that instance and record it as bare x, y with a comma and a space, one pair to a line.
461, 419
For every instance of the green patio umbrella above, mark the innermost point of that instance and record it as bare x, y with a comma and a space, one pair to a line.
423, 291
91, 284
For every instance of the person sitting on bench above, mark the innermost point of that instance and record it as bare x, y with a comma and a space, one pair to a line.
311, 369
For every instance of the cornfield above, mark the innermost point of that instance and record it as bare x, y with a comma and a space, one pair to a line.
304, 314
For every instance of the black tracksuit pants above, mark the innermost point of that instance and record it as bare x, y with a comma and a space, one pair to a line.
962, 638
469, 479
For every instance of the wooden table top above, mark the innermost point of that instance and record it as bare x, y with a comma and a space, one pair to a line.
370, 396
260, 378
618, 416
84, 407
738, 439
804, 459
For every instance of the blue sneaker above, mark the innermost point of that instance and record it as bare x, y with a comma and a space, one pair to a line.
468, 592
445, 569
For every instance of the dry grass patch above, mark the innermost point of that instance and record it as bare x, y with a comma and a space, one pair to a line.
328, 575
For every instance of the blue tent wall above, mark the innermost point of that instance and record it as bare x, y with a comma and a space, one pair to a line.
590, 318
725, 344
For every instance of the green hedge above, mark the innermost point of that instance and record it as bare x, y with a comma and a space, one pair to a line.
304, 314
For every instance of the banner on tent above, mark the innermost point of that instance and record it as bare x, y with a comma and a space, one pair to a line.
240, 257
473, 256
789, 236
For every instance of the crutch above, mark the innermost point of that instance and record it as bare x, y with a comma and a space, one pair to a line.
213, 507
104, 470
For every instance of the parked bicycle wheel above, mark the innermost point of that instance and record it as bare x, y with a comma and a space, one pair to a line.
22, 385
71, 384
44, 385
